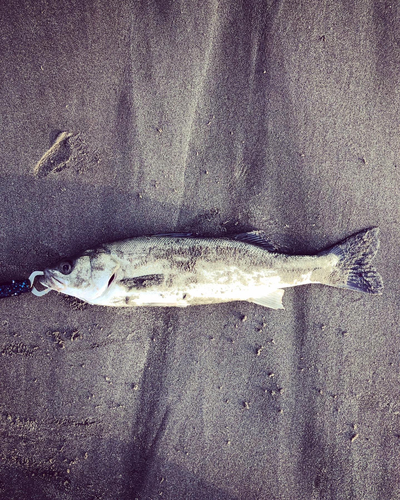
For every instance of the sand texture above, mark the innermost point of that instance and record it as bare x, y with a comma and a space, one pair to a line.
125, 118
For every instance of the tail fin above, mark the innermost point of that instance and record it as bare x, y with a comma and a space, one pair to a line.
354, 270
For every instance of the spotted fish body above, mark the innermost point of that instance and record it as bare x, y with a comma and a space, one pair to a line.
176, 270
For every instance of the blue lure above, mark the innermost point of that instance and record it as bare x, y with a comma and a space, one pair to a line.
16, 287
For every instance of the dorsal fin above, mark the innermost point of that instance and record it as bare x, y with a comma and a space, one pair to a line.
174, 235
258, 238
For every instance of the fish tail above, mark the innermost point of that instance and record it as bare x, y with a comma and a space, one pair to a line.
354, 270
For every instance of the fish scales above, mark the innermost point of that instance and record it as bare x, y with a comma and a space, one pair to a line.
181, 271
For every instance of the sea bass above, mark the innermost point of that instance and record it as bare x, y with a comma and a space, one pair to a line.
180, 270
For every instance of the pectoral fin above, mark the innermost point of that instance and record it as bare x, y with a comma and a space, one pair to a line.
272, 300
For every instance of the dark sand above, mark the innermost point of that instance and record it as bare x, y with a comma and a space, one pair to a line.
218, 118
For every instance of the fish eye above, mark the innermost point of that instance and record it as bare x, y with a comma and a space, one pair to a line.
65, 267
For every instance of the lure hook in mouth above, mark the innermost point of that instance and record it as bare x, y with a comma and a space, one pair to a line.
32, 280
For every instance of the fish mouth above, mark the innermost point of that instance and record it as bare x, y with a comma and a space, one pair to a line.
50, 281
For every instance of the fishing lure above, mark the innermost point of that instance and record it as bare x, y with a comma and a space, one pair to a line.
17, 287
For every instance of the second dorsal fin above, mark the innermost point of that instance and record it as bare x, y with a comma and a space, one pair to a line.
258, 238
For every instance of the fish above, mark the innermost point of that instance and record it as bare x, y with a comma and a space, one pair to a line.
179, 270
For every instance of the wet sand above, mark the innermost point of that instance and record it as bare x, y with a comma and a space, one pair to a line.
216, 119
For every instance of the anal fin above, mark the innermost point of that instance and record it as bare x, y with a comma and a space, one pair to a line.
273, 300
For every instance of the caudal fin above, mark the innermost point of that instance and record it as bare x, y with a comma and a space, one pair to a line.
354, 270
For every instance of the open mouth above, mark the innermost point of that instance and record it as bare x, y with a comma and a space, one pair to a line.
49, 281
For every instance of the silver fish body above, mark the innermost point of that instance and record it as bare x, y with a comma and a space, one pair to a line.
175, 270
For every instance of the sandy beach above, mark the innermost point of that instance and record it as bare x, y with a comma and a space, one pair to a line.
121, 119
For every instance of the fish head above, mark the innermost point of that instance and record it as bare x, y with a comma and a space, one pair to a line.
86, 277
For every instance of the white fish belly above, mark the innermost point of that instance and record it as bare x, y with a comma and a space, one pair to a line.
203, 287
